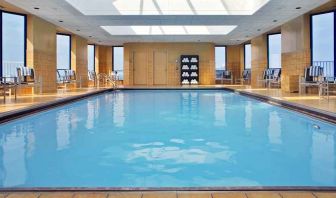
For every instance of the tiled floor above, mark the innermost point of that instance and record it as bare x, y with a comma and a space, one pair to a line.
30, 100
173, 194
309, 100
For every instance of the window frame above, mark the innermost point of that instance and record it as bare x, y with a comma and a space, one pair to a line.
245, 55
94, 57
70, 48
311, 35
225, 69
268, 58
25, 38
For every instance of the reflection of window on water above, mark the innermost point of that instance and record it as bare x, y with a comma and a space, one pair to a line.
13, 43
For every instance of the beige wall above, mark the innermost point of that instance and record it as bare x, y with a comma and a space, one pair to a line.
104, 59
206, 52
235, 60
259, 59
41, 51
79, 61
295, 51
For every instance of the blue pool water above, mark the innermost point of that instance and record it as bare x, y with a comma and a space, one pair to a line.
204, 138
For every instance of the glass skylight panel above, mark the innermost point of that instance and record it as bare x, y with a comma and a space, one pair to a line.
168, 7
169, 30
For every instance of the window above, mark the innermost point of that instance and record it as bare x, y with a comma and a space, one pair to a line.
91, 58
220, 59
118, 61
323, 42
63, 51
247, 56
274, 51
13, 37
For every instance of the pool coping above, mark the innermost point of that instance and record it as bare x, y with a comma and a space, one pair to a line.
161, 189
26, 111
309, 111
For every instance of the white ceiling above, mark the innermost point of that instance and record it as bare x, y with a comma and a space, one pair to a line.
252, 17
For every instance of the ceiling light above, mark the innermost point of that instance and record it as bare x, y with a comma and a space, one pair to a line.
170, 30
168, 7
298, 8
60, 21
275, 21
36, 8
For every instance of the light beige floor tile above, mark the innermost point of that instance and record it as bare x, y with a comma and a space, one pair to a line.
22, 195
56, 195
325, 195
125, 195
194, 194
90, 195
229, 195
297, 195
159, 195
263, 195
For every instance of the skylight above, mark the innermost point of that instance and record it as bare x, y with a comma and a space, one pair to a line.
169, 30
168, 7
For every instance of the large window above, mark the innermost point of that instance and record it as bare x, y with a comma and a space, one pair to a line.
274, 51
323, 42
63, 51
220, 59
118, 61
247, 56
13, 37
91, 58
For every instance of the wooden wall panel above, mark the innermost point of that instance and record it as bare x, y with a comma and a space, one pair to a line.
79, 61
104, 59
234, 60
259, 59
295, 51
41, 51
174, 51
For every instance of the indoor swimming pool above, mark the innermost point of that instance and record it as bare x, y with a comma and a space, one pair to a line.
167, 138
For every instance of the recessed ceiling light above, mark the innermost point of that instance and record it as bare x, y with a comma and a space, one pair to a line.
78, 30
298, 8
259, 30
90, 36
275, 21
36, 8
60, 21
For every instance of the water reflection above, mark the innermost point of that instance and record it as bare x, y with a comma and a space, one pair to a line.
274, 128
118, 110
13, 158
220, 118
248, 115
63, 129
323, 157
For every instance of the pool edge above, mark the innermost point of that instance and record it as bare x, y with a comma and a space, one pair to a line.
160, 189
26, 111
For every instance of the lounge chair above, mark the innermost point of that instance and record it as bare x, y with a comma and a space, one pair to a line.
6, 85
326, 84
266, 77
275, 79
312, 78
66, 77
92, 76
225, 76
26, 78
246, 77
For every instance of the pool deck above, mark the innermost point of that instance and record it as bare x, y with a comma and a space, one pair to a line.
171, 194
